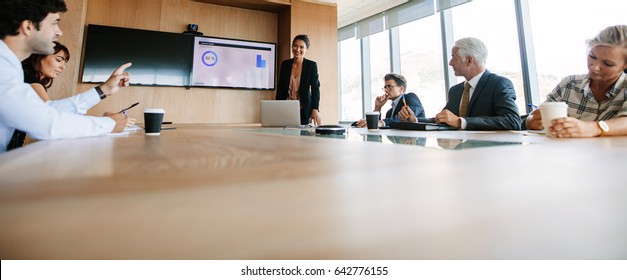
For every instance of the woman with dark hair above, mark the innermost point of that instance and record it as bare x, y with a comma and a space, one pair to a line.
41, 70
28, 27
298, 80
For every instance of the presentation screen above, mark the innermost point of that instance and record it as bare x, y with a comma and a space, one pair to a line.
229, 63
159, 58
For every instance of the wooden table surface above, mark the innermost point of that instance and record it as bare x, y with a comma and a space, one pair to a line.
220, 192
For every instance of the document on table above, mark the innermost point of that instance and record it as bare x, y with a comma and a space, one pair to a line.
126, 131
132, 128
528, 132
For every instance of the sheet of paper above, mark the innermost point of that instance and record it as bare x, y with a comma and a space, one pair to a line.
132, 128
116, 134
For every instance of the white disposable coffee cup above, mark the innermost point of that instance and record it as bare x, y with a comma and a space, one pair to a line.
152, 121
551, 111
372, 120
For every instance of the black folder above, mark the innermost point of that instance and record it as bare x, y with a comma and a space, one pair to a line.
421, 126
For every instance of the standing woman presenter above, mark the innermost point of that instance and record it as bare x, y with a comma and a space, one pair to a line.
298, 80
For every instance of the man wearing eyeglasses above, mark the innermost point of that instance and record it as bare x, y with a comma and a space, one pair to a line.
395, 87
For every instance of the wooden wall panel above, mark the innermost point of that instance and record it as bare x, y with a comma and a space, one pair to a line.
71, 24
219, 21
140, 14
196, 105
260, 5
319, 22
205, 105
229, 22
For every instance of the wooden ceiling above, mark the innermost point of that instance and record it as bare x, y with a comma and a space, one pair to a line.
262, 5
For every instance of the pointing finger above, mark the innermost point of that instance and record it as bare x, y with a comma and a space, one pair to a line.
122, 67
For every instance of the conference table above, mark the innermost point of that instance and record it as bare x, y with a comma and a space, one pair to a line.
204, 191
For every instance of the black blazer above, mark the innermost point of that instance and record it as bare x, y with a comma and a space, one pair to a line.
413, 102
309, 89
492, 105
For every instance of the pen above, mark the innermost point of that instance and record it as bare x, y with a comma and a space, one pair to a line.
532, 106
404, 102
129, 107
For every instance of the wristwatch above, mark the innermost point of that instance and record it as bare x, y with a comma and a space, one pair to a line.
604, 128
100, 93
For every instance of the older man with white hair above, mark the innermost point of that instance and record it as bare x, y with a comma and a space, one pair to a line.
485, 101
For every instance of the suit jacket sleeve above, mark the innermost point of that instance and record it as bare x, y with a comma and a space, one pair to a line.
314, 82
413, 102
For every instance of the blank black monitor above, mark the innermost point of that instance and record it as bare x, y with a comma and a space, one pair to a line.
159, 58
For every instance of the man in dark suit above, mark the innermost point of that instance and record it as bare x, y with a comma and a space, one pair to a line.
485, 101
395, 87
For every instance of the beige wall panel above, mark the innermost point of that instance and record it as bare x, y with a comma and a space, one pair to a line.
219, 21
140, 14
196, 105
205, 105
71, 24
319, 22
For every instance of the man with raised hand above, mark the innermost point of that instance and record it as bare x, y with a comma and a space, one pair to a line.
31, 26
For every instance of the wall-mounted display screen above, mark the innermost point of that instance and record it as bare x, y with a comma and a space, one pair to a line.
229, 63
159, 58
174, 59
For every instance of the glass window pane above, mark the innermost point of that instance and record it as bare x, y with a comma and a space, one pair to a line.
561, 49
494, 23
379, 66
421, 62
350, 80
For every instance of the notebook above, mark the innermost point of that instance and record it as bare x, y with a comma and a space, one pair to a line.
280, 113
420, 126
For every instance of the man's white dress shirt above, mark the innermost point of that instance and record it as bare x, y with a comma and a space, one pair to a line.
21, 108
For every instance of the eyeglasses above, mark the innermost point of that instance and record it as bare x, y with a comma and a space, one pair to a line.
388, 87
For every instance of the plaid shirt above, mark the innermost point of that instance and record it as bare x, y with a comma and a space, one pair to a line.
575, 91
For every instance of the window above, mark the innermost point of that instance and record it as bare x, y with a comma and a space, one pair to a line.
561, 49
350, 80
379, 66
422, 62
559, 29
499, 32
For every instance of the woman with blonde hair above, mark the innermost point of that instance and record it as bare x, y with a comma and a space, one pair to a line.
597, 101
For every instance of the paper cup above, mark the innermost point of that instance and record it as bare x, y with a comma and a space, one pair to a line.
372, 120
551, 111
152, 121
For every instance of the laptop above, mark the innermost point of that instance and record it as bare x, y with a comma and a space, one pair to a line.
280, 113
